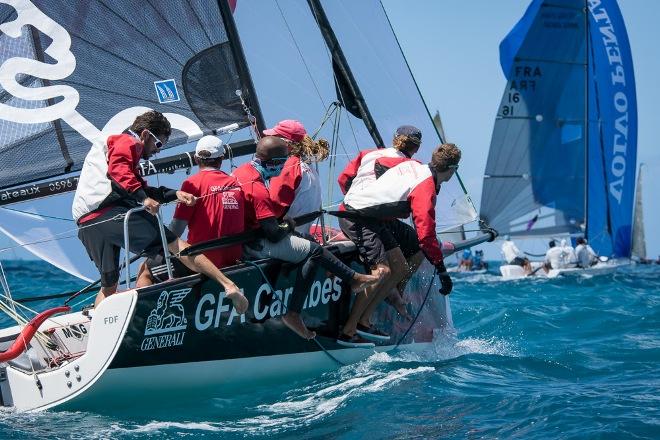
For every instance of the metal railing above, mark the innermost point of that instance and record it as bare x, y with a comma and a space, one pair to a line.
127, 252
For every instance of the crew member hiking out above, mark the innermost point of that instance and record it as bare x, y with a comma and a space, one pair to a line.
219, 212
279, 242
297, 189
409, 187
402, 255
110, 186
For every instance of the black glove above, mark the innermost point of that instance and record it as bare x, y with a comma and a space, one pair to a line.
291, 223
446, 285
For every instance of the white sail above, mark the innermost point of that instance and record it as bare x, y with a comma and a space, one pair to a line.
638, 239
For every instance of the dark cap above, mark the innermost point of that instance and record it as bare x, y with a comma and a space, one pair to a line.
409, 131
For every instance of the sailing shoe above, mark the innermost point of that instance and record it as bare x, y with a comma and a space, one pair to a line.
354, 341
372, 333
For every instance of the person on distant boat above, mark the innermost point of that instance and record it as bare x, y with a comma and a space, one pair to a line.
570, 259
478, 262
512, 255
401, 248
102, 197
404, 189
219, 212
297, 189
279, 242
586, 257
554, 257
466, 260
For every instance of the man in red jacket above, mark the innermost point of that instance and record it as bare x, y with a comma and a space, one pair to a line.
406, 188
297, 189
279, 242
102, 199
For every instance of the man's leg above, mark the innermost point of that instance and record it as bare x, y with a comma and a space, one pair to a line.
144, 278
104, 293
395, 297
363, 299
201, 264
398, 271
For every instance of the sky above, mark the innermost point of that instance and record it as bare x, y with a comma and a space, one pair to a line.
452, 49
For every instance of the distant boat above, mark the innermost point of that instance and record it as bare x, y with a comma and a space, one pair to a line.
549, 172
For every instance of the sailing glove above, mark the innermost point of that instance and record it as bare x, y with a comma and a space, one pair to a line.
446, 285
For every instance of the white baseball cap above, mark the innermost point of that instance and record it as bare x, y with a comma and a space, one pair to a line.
211, 147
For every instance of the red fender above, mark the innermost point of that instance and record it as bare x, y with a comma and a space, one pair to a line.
28, 332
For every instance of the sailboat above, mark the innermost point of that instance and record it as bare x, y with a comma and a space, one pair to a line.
74, 72
564, 146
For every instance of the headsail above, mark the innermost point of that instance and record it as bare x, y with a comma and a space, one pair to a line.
545, 172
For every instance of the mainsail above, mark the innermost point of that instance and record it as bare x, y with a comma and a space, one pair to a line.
290, 64
71, 68
549, 172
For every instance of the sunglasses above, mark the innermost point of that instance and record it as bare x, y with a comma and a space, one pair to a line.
275, 161
159, 144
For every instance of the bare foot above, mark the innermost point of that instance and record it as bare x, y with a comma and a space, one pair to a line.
295, 323
362, 281
239, 300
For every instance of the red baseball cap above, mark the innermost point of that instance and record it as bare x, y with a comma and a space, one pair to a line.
288, 129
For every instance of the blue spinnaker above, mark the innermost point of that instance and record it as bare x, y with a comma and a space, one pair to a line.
613, 131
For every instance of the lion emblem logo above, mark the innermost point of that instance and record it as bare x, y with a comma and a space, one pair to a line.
169, 315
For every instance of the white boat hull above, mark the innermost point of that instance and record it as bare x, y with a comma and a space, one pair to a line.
514, 272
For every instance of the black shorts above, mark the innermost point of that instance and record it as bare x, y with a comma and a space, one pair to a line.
103, 238
519, 261
158, 269
375, 238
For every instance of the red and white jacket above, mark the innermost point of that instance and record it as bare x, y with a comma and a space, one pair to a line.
362, 169
112, 176
408, 187
296, 190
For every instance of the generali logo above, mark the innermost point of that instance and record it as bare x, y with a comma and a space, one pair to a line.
166, 323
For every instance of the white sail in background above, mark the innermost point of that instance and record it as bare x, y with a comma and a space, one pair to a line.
638, 238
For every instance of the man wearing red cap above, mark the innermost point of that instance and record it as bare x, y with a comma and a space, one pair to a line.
297, 189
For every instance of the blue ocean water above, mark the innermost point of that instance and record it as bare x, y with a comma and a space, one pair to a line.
534, 359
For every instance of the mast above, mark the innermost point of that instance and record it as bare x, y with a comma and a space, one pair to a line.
344, 79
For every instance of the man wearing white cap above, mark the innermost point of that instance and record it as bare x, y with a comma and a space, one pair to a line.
219, 210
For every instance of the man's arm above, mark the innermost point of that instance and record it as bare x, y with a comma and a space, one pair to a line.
121, 169
283, 187
346, 177
422, 204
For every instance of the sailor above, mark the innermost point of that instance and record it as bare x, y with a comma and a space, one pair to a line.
586, 257
466, 260
219, 212
402, 253
279, 242
570, 259
409, 187
554, 257
102, 197
478, 262
513, 256
297, 189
